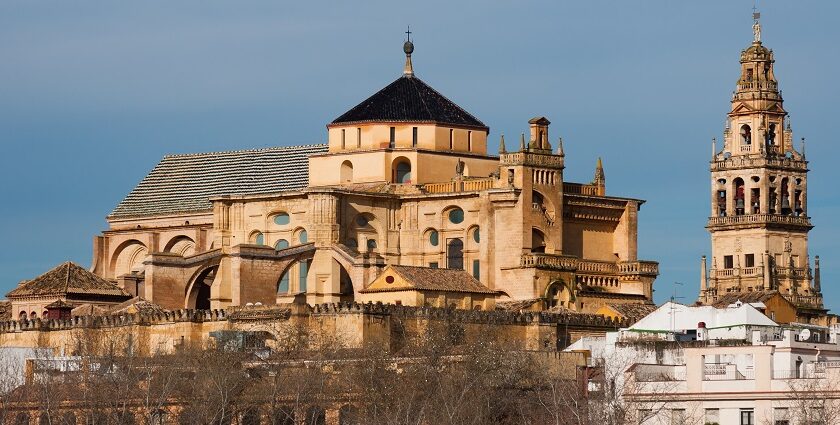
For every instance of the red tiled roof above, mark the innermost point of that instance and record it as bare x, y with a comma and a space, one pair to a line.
67, 278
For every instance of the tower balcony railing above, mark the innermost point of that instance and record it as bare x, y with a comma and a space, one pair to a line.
758, 160
793, 272
801, 220
759, 85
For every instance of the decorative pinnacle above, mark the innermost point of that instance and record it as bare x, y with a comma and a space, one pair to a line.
502, 144
560, 147
522, 142
714, 148
408, 48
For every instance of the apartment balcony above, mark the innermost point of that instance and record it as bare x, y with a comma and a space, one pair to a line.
726, 372
759, 219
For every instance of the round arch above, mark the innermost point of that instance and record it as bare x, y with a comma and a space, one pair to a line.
128, 257
538, 241
346, 172
558, 294
401, 170
199, 291
182, 245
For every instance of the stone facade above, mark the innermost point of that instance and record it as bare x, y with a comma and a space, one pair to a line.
759, 219
404, 179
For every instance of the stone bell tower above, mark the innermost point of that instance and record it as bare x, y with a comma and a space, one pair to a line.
759, 216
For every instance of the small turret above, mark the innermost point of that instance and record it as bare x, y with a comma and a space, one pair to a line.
600, 180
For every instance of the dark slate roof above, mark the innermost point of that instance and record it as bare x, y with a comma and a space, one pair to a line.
745, 297
67, 279
409, 99
185, 183
436, 279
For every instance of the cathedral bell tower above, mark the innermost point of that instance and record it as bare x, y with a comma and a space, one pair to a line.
759, 217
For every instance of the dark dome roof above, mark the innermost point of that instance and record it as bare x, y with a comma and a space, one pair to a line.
409, 99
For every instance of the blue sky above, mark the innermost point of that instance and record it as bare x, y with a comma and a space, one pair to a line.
94, 93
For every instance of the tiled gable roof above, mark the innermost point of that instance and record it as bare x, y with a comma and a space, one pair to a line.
185, 183
749, 297
436, 279
409, 99
66, 279
136, 305
633, 311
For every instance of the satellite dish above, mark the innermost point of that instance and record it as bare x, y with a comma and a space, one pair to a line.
804, 335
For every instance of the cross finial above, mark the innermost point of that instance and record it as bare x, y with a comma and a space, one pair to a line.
408, 33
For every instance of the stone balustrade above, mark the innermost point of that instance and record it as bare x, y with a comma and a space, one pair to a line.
456, 186
580, 189
759, 219
758, 161
569, 263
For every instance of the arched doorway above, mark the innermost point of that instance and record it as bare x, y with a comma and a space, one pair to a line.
199, 293
455, 254
402, 170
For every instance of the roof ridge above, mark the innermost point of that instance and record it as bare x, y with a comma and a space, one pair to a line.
268, 148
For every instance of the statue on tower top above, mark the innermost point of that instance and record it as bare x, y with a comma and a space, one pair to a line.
756, 26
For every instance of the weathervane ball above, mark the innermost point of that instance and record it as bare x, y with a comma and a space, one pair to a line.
408, 47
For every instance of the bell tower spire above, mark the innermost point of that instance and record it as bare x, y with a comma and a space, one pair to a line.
759, 217
408, 48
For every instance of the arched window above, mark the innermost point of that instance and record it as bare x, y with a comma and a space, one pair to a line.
771, 135
281, 244
303, 273
303, 237
371, 244
282, 219
22, 315
283, 284
455, 254
739, 196
33, 315
402, 171
476, 235
347, 172
257, 238
537, 241
746, 134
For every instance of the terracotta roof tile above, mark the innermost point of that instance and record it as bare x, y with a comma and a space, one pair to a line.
66, 279
5, 310
436, 279
185, 183
409, 99
633, 311
745, 297
136, 305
